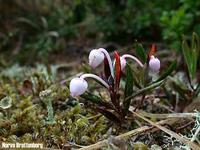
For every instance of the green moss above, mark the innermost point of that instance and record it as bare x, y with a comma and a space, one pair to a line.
40, 111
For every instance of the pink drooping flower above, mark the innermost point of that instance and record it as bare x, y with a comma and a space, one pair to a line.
77, 86
96, 57
154, 64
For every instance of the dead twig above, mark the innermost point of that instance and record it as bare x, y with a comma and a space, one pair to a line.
164, 116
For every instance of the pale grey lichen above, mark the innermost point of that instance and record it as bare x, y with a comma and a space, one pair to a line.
193, 136
6, 102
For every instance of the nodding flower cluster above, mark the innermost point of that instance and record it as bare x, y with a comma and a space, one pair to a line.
79, 85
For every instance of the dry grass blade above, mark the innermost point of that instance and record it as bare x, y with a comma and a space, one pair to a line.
171, 133
128, 134
164, 116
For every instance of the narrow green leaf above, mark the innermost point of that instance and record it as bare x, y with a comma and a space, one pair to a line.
197, 90
96, 100
146, 89
109, 114
193, 42
181, 90
195, 53
141, 52
193, 56
186, 52
197, 44
129, 81
169, 70
194, 63
91, 97
128, 88
136, 80
189, 56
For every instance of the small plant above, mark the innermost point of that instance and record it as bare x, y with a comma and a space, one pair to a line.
46, 97
191, 56
117, 107
188, 89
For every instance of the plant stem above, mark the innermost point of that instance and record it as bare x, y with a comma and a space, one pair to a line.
89, 75
134, 58
109, 60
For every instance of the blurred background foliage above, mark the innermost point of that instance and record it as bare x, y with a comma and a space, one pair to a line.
31, 30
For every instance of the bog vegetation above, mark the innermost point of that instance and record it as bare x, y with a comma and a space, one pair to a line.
146, 92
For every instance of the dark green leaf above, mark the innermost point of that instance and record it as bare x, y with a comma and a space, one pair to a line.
197, 44
128, 88
96, 100
91, 97
169, 70
197, 90
109, 114
195, 53
141, 52
136, 80
186, 54
181, 89
191, 54
146, 89
129, 81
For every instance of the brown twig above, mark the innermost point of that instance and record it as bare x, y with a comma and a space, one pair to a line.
184, 126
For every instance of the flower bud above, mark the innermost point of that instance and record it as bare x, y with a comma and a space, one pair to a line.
154, 64
123, 63
96, 57
77, 86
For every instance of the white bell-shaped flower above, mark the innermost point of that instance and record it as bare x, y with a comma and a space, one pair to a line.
123, 63
77, 86
154, 64
96, 57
